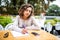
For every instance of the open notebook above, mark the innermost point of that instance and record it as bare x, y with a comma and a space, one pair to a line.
15, 34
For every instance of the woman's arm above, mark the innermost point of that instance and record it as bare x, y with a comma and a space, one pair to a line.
35, 25
15, 27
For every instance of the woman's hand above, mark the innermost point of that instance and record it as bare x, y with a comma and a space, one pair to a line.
24, 31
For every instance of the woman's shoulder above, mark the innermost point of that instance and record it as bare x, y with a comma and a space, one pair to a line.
32, 17
17, 16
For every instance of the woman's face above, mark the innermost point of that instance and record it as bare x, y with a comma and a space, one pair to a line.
27, 12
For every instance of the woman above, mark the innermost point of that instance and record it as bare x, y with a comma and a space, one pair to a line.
25, 20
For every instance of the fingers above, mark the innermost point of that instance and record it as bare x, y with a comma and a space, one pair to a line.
24, 31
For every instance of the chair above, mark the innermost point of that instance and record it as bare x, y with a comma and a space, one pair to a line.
42, 21
1, 27
48, 26
57, 26
8, 25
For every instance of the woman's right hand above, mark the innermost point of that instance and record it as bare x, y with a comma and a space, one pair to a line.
24, 31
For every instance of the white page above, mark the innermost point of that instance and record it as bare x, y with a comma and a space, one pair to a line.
15, 34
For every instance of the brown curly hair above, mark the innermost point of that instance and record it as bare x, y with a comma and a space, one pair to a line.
23, 8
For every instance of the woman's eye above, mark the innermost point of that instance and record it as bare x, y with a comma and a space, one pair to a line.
26, 10
29, 10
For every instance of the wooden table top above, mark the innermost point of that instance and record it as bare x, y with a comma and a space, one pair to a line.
43, 35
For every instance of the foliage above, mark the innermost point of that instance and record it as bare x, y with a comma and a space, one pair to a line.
53, 10
4, 20
12, 6
37, 17
57, 20
51, 20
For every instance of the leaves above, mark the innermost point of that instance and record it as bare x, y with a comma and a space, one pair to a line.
4, 20
53, 10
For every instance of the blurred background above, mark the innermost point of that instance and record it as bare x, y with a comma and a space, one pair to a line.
10, 7
9, 10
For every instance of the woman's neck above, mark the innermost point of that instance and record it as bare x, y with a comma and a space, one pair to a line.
24, 18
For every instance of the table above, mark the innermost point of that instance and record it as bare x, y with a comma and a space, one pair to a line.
43, 36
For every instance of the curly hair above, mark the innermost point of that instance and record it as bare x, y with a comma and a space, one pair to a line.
23, 8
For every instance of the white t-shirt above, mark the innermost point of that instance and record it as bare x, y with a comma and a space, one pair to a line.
31, 23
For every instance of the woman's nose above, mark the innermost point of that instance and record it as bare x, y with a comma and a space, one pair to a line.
27, 11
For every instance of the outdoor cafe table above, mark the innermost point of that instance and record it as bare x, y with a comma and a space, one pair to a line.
43, 36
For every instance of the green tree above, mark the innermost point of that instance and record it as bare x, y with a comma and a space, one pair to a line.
13, 6
0, 2
53, 10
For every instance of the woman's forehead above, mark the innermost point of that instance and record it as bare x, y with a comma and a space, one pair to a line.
29, 8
